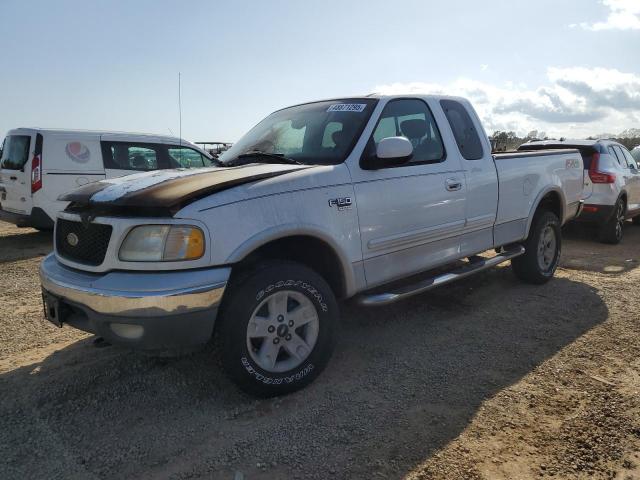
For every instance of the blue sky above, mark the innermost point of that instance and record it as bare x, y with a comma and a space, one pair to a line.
566, 67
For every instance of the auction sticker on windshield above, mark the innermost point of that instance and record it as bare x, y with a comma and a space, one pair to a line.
347, 107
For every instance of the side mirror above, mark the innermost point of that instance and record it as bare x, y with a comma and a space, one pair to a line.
394, 148
390, 152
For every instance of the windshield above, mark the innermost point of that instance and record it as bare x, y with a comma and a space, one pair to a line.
321, 133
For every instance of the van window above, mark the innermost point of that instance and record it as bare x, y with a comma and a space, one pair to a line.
15, 152
184, 157
463, 128
131, 156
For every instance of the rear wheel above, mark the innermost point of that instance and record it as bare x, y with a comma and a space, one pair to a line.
542, 250
611, 232
277, 328
636, 220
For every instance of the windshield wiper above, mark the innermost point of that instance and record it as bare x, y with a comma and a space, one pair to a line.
272, 156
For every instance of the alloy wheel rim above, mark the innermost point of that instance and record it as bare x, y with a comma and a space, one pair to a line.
282, 331
619, 221
547, 248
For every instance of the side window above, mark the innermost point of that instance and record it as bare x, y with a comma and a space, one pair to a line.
613, 153
463, 129
630, 160
184, 157
412, 119
620, 155
130, 156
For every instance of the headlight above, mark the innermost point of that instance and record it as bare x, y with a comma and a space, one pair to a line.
162, 243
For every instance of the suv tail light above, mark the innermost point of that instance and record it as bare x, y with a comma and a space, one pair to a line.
596, 175
36, 173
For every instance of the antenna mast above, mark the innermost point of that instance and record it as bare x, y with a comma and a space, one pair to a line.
180, 106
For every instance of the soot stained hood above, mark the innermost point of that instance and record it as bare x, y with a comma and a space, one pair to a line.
168, 190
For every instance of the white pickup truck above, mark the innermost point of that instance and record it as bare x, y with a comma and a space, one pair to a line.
377, 198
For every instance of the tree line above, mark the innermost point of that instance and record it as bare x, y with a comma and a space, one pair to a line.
502, 141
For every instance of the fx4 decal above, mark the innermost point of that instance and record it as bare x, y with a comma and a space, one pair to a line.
343, 203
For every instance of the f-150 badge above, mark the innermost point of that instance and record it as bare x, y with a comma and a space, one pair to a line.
343, 203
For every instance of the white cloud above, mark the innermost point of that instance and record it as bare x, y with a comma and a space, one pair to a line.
623, 15
575, 102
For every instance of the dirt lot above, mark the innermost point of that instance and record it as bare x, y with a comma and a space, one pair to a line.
488, 378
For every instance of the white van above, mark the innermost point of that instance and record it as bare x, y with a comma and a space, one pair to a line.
38, 165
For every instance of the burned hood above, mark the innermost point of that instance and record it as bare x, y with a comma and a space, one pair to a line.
170, 189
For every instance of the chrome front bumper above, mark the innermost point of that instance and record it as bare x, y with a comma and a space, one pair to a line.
170, 309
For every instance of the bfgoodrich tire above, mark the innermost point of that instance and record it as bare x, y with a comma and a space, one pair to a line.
542, 250
277, 328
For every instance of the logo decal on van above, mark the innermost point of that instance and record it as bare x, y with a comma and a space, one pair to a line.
78, 152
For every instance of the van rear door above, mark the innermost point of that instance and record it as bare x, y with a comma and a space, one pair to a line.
15, 174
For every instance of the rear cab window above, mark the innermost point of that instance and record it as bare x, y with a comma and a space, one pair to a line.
463, 129
15, 152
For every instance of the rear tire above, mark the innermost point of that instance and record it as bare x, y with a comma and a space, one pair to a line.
542, 250
277, 328
611, 232
636, 220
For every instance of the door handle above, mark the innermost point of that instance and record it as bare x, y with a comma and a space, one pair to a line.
453, 184
13, 178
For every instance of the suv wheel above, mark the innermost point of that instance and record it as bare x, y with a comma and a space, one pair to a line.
277, 328
542, 250
611, 232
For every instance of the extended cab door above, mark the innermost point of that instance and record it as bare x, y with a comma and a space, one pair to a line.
474, 153
411, 216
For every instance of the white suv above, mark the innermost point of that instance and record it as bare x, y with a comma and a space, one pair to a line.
611, 184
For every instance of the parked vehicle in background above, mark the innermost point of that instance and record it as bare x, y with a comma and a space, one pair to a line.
38, 165
379, 197
611, 183
636, 154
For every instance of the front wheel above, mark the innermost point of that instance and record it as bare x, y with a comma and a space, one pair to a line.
542, 250
277, 328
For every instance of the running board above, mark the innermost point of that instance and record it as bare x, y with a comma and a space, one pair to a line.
478, 264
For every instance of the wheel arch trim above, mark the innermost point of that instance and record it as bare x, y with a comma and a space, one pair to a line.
281, 232
554, 190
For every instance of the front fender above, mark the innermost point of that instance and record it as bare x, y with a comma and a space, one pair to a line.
300, 229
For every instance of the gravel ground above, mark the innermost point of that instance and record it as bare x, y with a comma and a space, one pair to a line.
487, 378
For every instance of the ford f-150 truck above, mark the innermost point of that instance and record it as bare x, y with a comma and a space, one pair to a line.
376, 198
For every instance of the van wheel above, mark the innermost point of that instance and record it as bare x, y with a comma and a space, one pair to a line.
611, 232
277, 328
542, 250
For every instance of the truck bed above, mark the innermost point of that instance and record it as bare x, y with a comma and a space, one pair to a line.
526, 176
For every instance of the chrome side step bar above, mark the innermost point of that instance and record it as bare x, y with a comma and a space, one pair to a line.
475, 265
